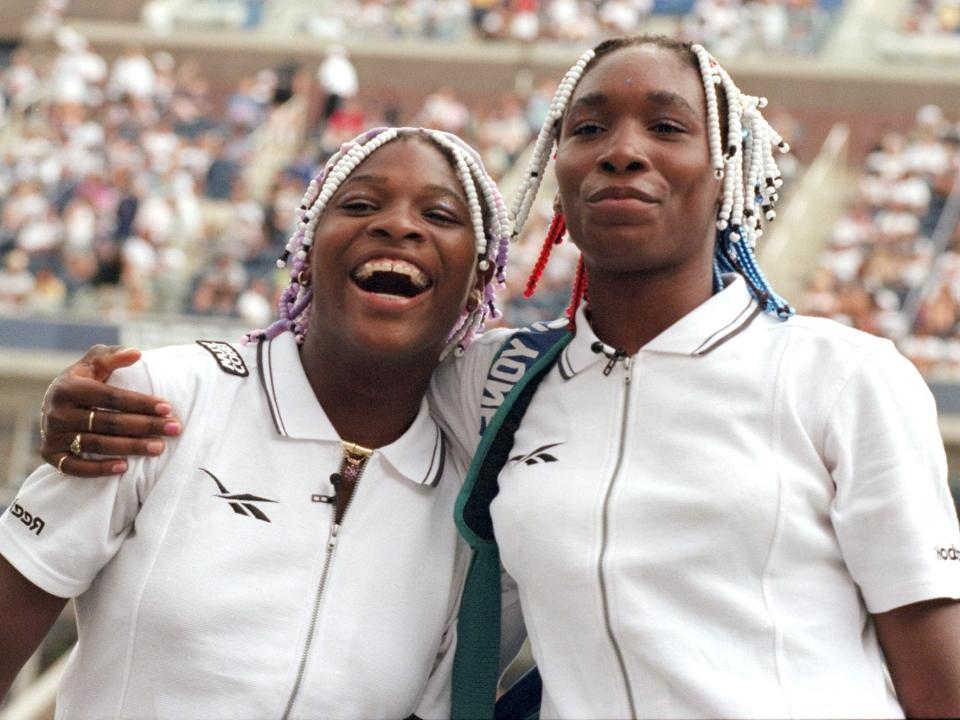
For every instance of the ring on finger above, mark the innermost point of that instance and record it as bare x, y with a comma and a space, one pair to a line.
76, 448
60, 463
90, 420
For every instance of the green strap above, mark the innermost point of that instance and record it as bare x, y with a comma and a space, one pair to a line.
477, 660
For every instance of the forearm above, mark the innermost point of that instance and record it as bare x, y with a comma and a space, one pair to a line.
26, 614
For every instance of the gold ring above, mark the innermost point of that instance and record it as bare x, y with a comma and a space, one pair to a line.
90, 421
75, 447
60, 463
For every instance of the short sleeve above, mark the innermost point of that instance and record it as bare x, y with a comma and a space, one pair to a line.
457, 388
60, 531
893, 514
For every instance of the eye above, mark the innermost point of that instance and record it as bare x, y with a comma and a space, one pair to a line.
586, 128
357, 205
667, 127
444, 216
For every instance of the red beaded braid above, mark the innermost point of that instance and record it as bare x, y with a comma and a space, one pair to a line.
558, 226
578, 295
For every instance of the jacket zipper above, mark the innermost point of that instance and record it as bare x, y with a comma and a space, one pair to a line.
628, 369
354, 462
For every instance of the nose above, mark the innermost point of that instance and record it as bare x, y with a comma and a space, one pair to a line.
624, 151
397, 223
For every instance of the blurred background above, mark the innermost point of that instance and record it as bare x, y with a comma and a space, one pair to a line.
152, 154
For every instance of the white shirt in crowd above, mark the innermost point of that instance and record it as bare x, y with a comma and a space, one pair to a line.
336, 74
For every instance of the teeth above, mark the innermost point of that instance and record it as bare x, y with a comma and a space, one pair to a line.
401, 267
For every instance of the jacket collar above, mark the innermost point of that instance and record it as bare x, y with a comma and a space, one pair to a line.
697, 333
418, 454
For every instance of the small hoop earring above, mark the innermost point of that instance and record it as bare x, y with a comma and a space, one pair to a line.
303, 280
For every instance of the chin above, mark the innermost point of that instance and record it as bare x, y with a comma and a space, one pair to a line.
398, 343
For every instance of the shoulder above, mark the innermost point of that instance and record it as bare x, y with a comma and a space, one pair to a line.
473, 362
834, 361
829, 331
830, 345
190, 367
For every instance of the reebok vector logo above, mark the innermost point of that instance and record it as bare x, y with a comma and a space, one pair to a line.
540, 455
241, 503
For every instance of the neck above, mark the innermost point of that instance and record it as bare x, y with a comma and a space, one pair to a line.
370, 401
628, 310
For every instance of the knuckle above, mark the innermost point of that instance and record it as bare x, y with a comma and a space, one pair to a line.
111, 425
114, 400
55, 391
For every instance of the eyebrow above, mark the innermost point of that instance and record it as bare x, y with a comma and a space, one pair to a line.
381, 180
666, 97
659, 97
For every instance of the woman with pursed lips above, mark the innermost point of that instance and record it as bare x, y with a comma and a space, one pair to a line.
742, 512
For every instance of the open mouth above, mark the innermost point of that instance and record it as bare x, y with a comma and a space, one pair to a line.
391, 277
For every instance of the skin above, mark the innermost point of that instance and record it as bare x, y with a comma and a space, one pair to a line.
637, 120
649, 264
367, 358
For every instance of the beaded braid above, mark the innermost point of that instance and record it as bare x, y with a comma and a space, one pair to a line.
558, 226
745, 163
489, 218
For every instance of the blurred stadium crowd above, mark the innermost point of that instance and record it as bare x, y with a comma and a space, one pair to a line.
123, 187
885, 268
729, 26
126, 186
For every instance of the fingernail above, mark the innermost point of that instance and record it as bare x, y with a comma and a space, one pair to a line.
171, 428
118, 468
163, 408
155, 447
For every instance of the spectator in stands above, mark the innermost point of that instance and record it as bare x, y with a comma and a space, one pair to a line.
132, 76
338, 80
16, 280
444, 110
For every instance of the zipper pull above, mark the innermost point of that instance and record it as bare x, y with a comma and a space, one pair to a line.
332, 539
614, 359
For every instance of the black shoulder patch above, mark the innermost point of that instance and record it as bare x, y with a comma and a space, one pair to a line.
226, 356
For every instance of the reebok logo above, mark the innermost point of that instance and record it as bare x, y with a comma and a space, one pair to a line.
950, 553
540, 455
241, 503
33, 522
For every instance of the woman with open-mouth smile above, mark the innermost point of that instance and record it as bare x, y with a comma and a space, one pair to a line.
292, 554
